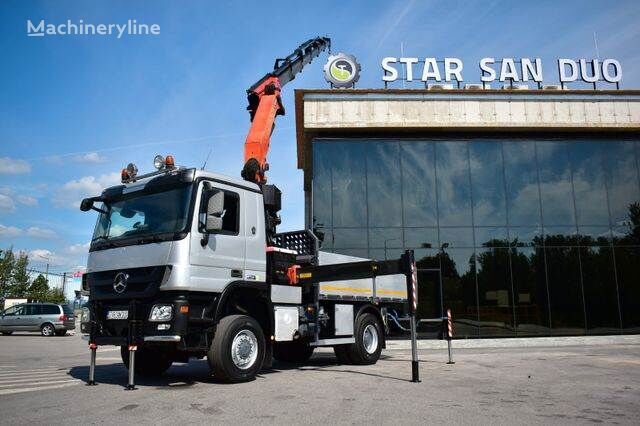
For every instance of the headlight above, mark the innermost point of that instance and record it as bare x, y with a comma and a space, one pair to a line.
161, 313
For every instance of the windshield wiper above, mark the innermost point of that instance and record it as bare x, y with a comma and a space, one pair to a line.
99, 238
150, 239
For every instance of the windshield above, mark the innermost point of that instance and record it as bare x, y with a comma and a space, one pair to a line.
142, 215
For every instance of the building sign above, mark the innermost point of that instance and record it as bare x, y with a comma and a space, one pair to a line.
504, 70
342, 70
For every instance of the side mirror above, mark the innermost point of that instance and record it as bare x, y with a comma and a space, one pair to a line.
86, 204
215, 211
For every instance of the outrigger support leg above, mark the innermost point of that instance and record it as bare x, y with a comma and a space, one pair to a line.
132, 367
92, 365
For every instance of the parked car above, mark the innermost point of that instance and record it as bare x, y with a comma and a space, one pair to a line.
47, 318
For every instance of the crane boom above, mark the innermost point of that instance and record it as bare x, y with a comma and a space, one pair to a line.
265, 104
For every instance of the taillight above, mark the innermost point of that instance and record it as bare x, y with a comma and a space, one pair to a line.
62, 317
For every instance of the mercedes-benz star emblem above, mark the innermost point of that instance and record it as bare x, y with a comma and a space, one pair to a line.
120, 282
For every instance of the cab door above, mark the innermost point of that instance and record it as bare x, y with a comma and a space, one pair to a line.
218, 258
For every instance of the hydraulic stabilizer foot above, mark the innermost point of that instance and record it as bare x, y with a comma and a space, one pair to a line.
132, 368
92, 365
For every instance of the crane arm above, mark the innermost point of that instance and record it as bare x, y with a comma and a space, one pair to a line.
265, 104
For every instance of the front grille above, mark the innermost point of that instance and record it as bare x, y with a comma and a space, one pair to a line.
142, 283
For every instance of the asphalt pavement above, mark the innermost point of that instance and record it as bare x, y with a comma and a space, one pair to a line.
42, 382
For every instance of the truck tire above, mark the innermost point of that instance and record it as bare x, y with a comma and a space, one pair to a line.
368, 335
292, 352
238, 348
7, 333
150, 361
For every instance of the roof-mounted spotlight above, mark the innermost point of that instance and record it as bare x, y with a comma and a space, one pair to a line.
129, 173
158, 162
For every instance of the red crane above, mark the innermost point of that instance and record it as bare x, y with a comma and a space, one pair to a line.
265, 104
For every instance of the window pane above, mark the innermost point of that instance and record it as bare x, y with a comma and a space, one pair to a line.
628, 271
622, 180
452, 182
530, 288
589, 182
494, 292
418, 183
555, 183
600, 293
487, 183
322, 171
567, 310
521, 179
385, 237
349, 185
491, 237
524, 236
457, 237
383, 183
349, 238
415, 238
459, 288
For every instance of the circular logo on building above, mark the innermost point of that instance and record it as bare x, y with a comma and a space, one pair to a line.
120, 282
342, 70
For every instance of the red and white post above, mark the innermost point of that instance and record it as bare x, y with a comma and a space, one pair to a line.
449, 334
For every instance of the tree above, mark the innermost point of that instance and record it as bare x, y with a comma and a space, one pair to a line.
39, 289
20, 277
7, 261
55, 295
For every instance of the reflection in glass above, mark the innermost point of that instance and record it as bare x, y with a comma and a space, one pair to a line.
454, 192
495, 296
589, 182
555, 183
415, 238
418, 183
486, 236
600, 292
456, 237
530, 288
349, 238
459, 288
521, 179
565, 292
385, 237
384, 204
348, 184
622, 180
628, 271
487, 181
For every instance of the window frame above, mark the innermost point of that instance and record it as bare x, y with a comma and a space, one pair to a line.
203, 210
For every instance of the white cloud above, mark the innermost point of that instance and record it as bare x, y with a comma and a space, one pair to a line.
9, 231
71, 193
27, 200
89, 157
78, 248
13, 166
6, 204
36, 232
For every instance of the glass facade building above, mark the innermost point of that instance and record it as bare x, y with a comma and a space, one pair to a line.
518, 236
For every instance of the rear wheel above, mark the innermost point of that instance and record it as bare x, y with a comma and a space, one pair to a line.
149, 361
292, 352
238, 348
47, 330
368, 345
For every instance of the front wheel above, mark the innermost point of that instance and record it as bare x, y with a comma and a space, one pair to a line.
238, 349
149, 362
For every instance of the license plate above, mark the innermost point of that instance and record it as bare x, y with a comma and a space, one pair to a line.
117, 315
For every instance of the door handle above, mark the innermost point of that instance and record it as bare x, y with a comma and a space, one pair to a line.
236, 273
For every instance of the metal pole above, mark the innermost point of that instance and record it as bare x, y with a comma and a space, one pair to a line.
415, 375
132, 368
449, 334
92, 365
449, 348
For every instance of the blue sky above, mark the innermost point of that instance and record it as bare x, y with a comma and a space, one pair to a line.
74, 110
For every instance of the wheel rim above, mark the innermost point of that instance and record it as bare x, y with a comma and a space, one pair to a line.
370, 339
46, 330
244, 349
